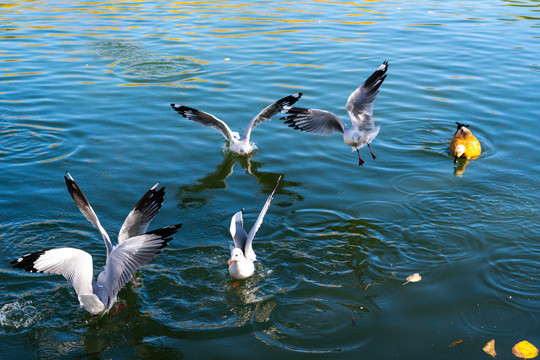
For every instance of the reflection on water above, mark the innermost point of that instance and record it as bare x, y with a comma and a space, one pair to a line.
197, 195
136, 65
459, 169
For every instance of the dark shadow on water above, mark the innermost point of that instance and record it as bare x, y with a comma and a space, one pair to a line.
128, 332
198, 194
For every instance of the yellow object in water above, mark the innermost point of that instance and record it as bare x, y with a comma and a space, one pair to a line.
464, 144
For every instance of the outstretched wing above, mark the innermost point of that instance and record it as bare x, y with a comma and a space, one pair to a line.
133, 253
238, 233
73, 264
248, 250
269, 112
315, 121
360, 102
204, 119
143, 213
84, 206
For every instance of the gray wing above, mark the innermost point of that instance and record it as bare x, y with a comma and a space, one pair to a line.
133, 253
248, 250
143, 213
204, 119
238, 233
360, 102
314, 121
73, 264
84, 206
270, 111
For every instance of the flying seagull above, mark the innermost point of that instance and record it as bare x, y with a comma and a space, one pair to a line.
238, 144
242, 255
135, 248
360, 109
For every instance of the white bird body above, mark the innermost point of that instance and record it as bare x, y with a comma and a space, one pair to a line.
241, 263
360, 109
240, 267
135, 248
238, 144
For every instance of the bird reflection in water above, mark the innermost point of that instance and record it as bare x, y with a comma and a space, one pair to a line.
248, 302
459, 169
196, 195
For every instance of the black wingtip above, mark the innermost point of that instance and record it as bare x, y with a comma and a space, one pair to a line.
181, 109
166, 231
153, 198
27, 262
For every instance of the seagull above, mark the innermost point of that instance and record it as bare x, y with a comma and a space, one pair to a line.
359, 107
135, 248
242, 255
464, 144
238, 144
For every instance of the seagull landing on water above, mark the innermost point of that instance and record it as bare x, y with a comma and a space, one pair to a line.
360, 109
238, 144
242, 255
135, 248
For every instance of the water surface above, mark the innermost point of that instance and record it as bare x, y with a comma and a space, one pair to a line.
86, 87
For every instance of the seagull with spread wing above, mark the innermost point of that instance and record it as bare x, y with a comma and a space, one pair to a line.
360, 109
135, 248
238, 144
242, 255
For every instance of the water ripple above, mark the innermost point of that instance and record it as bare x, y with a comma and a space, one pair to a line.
135, 64
28, 144
300, 322
498, 319
512, 272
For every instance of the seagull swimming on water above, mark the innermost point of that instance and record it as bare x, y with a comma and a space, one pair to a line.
360, 109
238, 144
242, 255
135, 248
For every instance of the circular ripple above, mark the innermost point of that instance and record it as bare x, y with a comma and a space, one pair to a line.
513, 274
498, 319
308, 221
300, 324
419, 183
381, 210
23, 144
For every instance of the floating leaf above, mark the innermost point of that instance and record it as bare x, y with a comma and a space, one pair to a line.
455, 343
489, 348
525, 350
413, 278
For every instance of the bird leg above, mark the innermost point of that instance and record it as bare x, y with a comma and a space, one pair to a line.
120, 307
360, 161
372, 154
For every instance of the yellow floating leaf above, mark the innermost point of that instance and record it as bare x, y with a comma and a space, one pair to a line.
489, 348
413, 278
525, 350
455, 343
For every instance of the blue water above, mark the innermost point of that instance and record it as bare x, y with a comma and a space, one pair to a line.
87, 87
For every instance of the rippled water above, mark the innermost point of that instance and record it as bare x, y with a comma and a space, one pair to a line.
86, 87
